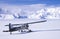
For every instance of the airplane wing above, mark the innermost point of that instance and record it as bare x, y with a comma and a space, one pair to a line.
37, 22
28, 23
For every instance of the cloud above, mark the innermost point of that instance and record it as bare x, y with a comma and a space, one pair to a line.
32, 7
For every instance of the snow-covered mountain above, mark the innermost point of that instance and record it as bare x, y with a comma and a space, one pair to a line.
30, 12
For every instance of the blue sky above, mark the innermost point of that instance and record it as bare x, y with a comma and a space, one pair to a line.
24, 2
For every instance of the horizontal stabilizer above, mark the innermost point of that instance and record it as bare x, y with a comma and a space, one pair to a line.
5, 30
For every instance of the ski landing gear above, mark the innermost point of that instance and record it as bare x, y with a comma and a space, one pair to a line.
25, 28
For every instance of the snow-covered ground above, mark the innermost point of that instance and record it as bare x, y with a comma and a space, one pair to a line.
45, 30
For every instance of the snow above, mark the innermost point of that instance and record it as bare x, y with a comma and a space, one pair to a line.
34, 11
9, 17
45, 30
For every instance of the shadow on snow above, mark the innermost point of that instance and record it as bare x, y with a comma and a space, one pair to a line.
37, 31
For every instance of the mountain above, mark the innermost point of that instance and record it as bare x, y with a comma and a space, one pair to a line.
36, 11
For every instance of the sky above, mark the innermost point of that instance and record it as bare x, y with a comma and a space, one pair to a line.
31, 5
29, 2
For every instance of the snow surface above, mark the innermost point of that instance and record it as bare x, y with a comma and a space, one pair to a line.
45, 30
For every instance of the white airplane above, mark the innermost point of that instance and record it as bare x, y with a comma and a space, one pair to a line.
24, 27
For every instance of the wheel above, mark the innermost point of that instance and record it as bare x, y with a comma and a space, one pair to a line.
30, 31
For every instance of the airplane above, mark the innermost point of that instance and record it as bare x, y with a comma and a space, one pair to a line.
24, 27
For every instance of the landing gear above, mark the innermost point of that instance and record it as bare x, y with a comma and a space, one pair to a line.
30, 31
25, 28
26, 31
10, 33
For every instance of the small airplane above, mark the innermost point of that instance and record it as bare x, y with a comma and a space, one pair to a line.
21, 27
